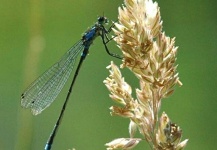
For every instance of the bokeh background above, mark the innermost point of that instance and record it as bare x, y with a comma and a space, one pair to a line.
35, 34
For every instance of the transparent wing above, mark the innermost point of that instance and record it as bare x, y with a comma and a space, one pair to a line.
43, 91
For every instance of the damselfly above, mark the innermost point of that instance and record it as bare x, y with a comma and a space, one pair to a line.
43, 91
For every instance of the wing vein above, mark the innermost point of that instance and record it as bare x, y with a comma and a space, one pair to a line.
43, 91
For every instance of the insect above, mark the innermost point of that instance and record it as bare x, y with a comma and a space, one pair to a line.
44, 90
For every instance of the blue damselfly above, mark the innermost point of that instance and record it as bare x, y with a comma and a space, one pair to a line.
44, 90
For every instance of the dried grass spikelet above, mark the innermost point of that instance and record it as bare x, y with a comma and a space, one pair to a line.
151, 56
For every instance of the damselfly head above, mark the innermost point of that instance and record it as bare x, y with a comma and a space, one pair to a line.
102, 20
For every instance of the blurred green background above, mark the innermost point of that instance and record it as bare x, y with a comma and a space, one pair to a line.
35, 34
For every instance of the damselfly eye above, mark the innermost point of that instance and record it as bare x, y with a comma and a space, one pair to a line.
102, 20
